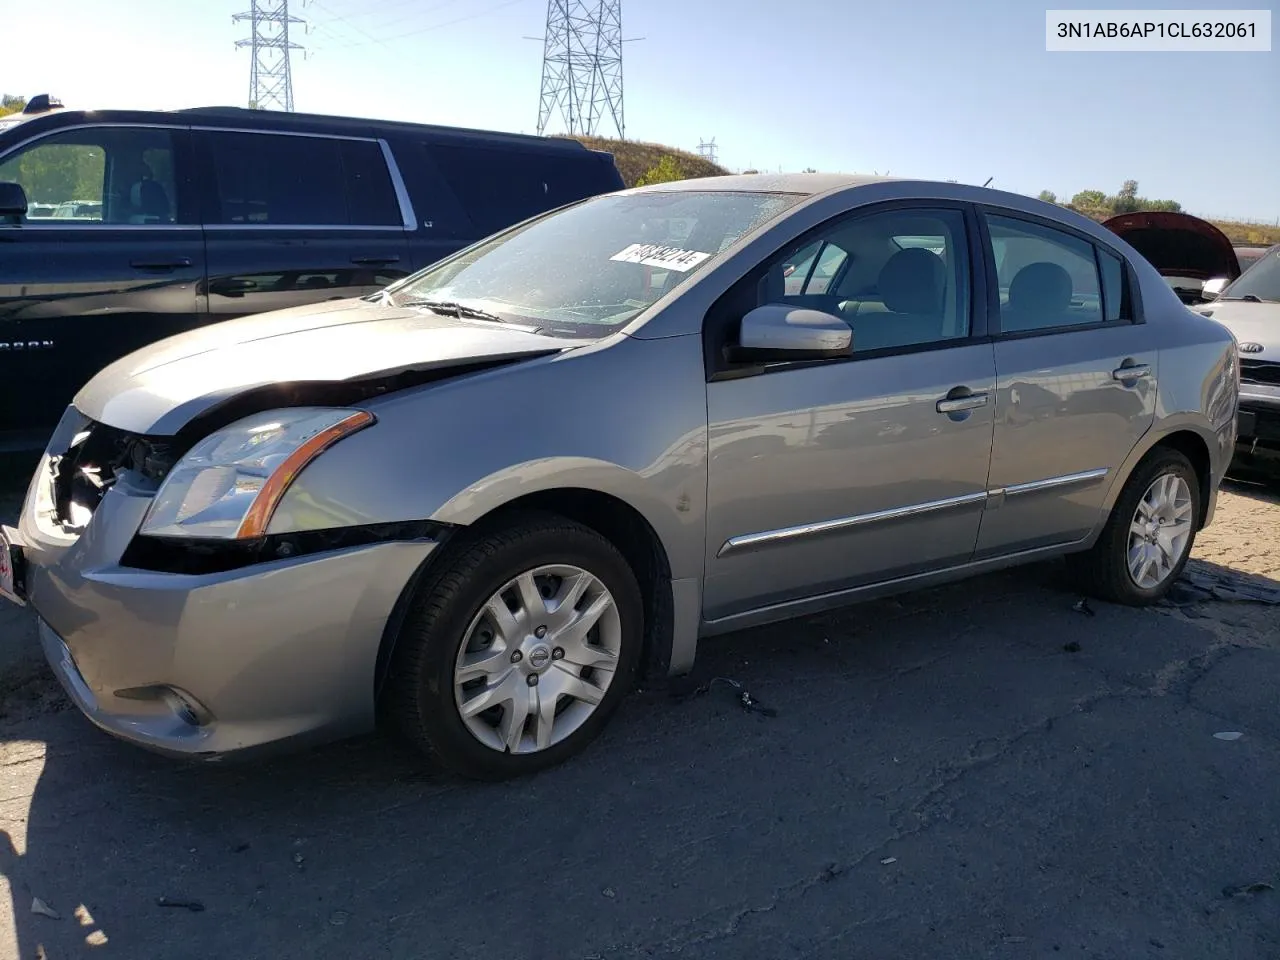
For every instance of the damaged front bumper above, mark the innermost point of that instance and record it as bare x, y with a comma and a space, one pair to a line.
216, 656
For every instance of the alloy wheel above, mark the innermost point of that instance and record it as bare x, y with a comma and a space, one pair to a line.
1160, 531
536, 660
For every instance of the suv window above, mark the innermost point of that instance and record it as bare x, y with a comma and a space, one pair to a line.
1048, 278
278, 179
899, 278
97, 175
499, 186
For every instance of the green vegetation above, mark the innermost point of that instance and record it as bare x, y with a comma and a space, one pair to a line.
56, 172
666, 170
638, 161
1100, 206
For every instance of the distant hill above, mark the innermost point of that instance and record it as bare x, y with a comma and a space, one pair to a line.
635, 159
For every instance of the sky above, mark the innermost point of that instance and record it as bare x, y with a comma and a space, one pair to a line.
937, 89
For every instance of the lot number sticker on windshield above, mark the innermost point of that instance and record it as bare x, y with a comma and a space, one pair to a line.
656, 255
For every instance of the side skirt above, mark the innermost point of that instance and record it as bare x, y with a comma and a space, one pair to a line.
843, 598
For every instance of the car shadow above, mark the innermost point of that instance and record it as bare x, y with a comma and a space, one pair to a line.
1265, 490
690, 811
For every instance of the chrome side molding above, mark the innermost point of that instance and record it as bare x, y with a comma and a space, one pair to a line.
991, 498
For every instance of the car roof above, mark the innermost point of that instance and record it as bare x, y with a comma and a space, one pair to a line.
244, 118
809, 184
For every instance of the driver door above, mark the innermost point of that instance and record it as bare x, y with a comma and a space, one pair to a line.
825, 476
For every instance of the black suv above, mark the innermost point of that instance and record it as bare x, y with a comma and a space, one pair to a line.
131, 226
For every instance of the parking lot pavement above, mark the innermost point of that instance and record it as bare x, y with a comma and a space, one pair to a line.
977, 771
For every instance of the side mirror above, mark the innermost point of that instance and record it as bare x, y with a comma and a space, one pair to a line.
13, 200
1213, 288
781, 332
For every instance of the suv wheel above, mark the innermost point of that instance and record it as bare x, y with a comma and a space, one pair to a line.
1149, 535
514, 656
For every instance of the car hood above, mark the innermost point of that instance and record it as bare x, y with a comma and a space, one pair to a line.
1178, 244
164, 386
1253, 325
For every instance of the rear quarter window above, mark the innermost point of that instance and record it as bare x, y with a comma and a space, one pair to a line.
500, 186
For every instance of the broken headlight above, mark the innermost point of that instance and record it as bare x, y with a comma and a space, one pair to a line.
228, 485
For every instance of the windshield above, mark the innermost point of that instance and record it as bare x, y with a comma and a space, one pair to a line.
1262, 280
592, 268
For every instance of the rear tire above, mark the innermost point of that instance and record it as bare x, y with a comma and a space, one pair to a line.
1149, 536
506, 646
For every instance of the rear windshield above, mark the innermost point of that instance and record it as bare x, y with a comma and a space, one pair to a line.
592, 268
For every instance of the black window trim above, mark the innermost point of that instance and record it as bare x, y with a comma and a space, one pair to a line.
1131, 291
718, 369
408, 219
184, 154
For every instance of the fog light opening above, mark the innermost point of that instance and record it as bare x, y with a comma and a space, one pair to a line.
182, 704
186, 707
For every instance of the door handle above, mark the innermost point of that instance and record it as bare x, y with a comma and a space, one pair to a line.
958, 404
376, 261
1132, 372
173, 264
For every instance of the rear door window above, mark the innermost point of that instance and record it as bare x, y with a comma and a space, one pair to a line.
269, 179
1047, 278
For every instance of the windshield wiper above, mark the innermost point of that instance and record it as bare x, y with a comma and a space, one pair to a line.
454, 309
1252, 298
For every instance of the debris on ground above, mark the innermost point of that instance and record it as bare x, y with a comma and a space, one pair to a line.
888, 860
1082, 606
195, 906
1200, 584
745, 699
1228, 735
610, 893
1247, 890
339, 917
38, 906
1072, 647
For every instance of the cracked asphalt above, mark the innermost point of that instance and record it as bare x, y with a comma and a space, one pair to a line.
947, 776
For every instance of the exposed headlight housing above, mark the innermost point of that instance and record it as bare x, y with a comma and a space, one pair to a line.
229, 484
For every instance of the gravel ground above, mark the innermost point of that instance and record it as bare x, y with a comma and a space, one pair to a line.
976, 771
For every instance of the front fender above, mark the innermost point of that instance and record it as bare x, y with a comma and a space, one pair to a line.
625, 417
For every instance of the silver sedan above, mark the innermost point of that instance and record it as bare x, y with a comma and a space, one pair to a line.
480, 504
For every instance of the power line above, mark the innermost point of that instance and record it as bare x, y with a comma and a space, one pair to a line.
434, 27
341, 18
270, 78
582, 66
708, 150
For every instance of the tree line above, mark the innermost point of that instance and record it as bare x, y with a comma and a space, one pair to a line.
1100, 206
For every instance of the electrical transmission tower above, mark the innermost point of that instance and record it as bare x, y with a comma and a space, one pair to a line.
270, 81
708, 150
582, 66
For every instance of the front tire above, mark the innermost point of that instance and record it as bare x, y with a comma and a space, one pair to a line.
1148, 538
515, 654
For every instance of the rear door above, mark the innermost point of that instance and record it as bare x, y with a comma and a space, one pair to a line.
292, 219
110, 258
1076, 381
